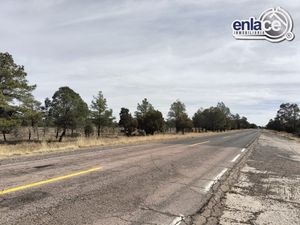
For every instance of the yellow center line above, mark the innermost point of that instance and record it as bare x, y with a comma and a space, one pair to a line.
200, 143
10, 190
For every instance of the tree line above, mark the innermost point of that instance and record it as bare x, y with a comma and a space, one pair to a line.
67, 111
287, 119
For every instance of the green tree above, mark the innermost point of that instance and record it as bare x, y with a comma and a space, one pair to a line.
237, 121
177, 116
287, 118
88, 128
289, 115
244, 124
68, 110
127, 121
177, 108
275, 124
183, 123
100, 114
31, 115
149, 119
47, 118
226, 116
153, 122
219, 118
14, 89
210, 119
198, 119
142, 109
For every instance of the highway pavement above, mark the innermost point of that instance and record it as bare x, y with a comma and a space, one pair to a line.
156, 183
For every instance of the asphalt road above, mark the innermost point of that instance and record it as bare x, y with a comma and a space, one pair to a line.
142, 184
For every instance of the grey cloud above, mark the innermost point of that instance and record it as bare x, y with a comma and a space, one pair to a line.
162, 50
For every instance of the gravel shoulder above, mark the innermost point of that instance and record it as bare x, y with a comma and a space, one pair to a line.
267, 190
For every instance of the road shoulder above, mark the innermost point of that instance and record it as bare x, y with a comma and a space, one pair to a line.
268, 188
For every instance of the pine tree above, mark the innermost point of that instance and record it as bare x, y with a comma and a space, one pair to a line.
14, 90
100, 114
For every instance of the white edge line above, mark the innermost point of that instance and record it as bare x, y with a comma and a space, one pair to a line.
177, 220
221, 174
218, 177
208, 186
243, 150
235, 158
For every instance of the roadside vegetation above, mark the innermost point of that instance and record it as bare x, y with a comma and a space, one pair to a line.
287, 119
66, 121
32, 148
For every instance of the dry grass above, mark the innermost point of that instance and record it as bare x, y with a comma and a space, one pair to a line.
287, 135
26, 148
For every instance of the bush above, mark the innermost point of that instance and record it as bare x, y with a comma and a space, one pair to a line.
88, 130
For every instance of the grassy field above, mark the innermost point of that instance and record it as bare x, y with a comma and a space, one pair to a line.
26, 148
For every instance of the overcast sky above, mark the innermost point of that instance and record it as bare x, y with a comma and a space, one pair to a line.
162, 50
